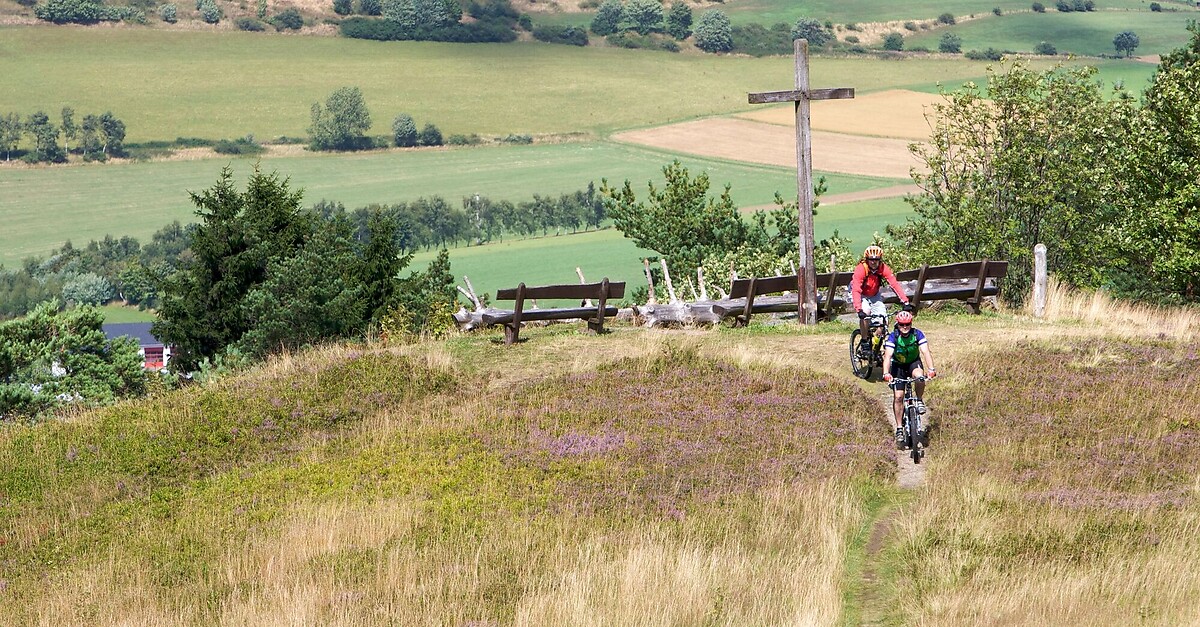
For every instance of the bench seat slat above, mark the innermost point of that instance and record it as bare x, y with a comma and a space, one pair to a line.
583, 290
566, 313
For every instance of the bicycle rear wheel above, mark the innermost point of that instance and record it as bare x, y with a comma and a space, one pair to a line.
912, 419
861, 365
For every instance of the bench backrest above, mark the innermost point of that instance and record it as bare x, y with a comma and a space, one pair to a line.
569, 291
964, 270
763, 285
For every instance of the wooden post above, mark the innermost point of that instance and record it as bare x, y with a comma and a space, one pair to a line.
806, 276
744, 319
1040, 280
916, 299
513, 329
652, 299
597, 324
976, 302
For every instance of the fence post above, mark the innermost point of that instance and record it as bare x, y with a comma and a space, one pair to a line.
1039, 280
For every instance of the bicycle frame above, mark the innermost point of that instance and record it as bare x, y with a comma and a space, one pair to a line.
912, 415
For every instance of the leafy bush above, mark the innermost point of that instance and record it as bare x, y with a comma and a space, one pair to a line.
1038, 7
1045, 48
249, 24
288, 19
714, 33
756, 40
556, 34
430, 136
386, 30
464, 140
70, 11
910, 26
642, 16
343, 7
997, 11
1063, 6
851, 39
950, 43
991, 54
241, 146
608, 18
370, 7
632, 40
893, 41
679, 20
404, 131
811, 30
517, 139
209, 11
1155, 7
946, 18
168, 13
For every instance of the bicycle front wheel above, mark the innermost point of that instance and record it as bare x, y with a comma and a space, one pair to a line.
912, 419
861, 364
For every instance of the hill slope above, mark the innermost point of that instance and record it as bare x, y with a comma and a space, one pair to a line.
728, 476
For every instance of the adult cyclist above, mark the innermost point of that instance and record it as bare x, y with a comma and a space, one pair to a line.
869, 275
906, 355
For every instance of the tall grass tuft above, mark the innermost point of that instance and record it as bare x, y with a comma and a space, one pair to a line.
1099, 309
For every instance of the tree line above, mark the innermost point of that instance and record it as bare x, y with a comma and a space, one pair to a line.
125, 269
95, 137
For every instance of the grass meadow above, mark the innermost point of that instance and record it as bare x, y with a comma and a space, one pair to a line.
728, 476
1075, 33
44, 207
169, 84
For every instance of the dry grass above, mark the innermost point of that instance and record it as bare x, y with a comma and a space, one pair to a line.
1123, 318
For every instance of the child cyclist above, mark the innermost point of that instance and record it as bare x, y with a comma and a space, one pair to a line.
906, 355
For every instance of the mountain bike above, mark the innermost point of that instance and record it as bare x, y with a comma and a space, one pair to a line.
864, 359
912, 417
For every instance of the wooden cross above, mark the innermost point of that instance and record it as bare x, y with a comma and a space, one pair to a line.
806, 276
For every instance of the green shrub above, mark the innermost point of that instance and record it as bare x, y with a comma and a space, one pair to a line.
249, 24
464, 140
241, 146
288, 19
950, 43
517, 139
1045, 48
1155, 7
851, 39
168, 13
756, 40
370, 7
910, 26
70, 11
209, 11
430, 136
991, 54
343, 7
1038, 7
557, 34
946, 18
997, 11
893, 41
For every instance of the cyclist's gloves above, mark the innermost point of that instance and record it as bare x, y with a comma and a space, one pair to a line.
908, 307
861, 314
887, 377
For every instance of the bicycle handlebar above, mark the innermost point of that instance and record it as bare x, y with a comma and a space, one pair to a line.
910, 379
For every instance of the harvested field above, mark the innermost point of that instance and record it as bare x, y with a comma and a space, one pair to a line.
772, 144
868, 135
896, 113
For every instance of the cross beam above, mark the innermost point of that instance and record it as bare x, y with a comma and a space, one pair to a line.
806, 275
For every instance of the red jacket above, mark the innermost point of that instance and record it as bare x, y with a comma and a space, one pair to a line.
867, 283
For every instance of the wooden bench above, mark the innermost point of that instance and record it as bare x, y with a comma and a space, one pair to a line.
970, 281
594, 315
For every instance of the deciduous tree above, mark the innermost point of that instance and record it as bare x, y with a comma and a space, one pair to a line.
343, 123
714, 33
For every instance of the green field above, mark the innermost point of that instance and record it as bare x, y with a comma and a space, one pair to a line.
168, 84
43, 207
606, 253
1075, 33
767, 12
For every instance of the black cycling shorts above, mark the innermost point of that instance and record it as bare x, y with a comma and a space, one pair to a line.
904, 371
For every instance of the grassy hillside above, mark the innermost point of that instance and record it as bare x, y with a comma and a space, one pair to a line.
728, 477
1075, 33
168, 84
